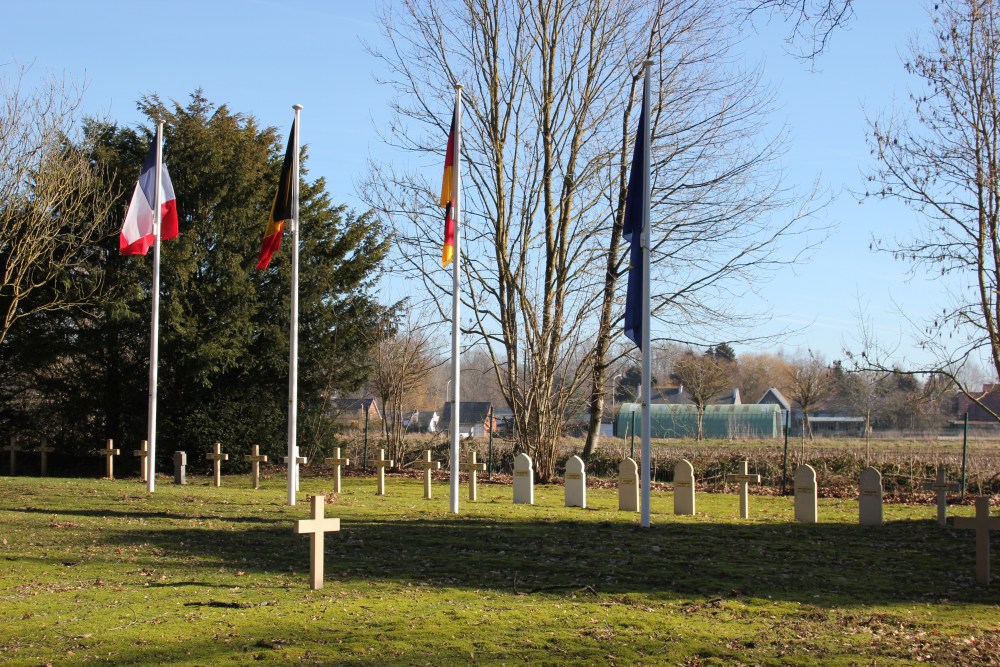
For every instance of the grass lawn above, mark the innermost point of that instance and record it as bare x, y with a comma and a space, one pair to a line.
100, 572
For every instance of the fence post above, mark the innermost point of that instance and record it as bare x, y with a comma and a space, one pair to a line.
784, 463
965, 450
632, 455
364, 461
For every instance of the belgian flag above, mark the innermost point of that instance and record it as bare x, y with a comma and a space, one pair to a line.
449, 193
281, 208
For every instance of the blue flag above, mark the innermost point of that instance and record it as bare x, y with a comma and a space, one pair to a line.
632, 232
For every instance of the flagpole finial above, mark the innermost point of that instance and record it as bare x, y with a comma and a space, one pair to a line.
297, 107
648, 61
458, 86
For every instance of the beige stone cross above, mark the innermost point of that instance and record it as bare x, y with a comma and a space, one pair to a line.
941, 486
429, 465
381, 463
316, 527
44, 450
143, 454
255, 458
109, 453
983, 523
472, 468
13, 449
336, 461
217, 457
744, 479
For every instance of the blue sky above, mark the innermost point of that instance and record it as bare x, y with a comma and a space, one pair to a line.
262, 56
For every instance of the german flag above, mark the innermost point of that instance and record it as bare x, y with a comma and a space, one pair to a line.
449, 193
281, 208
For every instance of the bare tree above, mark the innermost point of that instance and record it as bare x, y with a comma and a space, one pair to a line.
808, 386
551, 92
401, 361
704, 377
941, 160
756, 373
52, 201
813, 22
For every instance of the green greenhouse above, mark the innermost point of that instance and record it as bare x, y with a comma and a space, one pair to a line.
720, 421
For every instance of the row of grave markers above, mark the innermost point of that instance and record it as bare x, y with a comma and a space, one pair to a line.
805, 499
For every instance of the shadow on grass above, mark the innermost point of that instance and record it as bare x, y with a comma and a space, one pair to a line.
824, 564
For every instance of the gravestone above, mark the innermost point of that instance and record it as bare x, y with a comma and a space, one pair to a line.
316, 527
336, 461
744, 479
473, 469
109, 453
13, 449
180, 467
983, 523
576, 483
255, 458
427, 465
524, 480
300, 461
143, 454
684, 488
805, 494
628, 486
381, 463
217, 457
870, 498
941, 486
44, 450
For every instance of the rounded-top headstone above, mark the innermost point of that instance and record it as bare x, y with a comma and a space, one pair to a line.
870, 498
524, 480
628, 486
576, 483
805, 494
684, 488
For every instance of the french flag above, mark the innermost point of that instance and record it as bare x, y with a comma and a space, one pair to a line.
137, 232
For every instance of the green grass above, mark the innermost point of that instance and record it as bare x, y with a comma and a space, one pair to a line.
99, 572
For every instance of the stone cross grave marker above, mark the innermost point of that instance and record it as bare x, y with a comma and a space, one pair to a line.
301, 460
576, 483
217, 457
180, 467
44, 450
143, 454
255, 458
684, 488
805, 494
316, 527
941, 486
628, 486
744, 479
870, 498
336, 461
428, 465
524, 480
13, 449
472, 468
109, 453
983, 523
381, 463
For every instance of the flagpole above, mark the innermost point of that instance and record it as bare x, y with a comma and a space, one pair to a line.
456, 303
646, 349
293, 347
154, 336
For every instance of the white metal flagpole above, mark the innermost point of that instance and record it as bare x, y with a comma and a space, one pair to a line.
456, 302
154, 336
293, 347
646, 351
